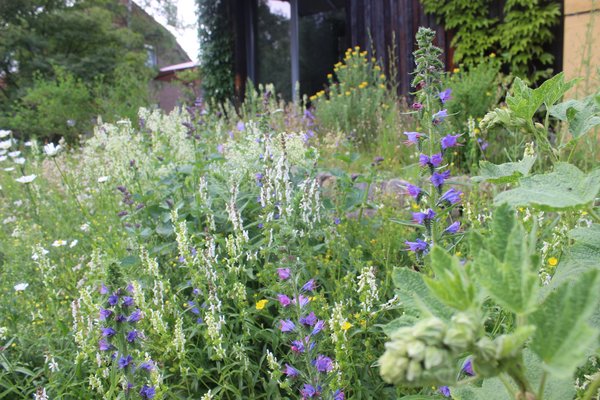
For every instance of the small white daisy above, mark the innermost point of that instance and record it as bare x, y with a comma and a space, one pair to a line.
19, 160
15, 153
59, 243
102, 179
26, 179
4, 133
51, 150
19, 287
73, 243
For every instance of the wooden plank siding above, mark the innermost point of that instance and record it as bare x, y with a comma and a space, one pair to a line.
383, 26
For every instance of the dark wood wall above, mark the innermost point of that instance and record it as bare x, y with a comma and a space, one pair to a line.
388, 28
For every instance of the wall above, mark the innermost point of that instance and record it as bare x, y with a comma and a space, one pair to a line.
581, 52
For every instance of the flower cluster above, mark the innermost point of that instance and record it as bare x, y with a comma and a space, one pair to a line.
304, 346
119, 337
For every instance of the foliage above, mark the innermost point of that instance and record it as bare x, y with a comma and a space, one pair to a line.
520, 35
44, 54
503, 269
357, 99
216, 42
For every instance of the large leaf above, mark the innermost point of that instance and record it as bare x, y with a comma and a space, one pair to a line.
415, 296
504, 173
524, 102
494, 389
581, 115
564, 188
563, 334
452, 284
505, 266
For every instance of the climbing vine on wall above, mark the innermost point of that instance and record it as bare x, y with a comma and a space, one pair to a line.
216, 44
519, 33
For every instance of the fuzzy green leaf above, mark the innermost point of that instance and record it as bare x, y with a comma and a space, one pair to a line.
563, 333
504, 173
524, 102
564, 188
505, 267
451, 285
581, 115
415, 296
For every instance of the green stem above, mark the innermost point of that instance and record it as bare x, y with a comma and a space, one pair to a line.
540, 394
593, 214
507, 385
592, 388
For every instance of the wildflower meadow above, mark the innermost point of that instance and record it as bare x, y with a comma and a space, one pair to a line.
351, 245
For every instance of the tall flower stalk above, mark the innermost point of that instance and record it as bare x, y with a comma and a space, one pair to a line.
431, 144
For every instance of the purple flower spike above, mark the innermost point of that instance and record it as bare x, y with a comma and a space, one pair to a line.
439, 116
412, 137
103, 289
438, 178
444, 390
297, 346
108, 332
323, 363
113, 299
468, 368
147, 392
127, 301
423, 218
124, 362
302, 300
147, 365
308, 391
132, 336
284, 300
103, 345
309, 286
452, 196
445, 95
135, 316
104, 314
413, 191
290, 371
418, 247
453, 228
450, 141
240, 126
436, 160
284, 273
309, 320
318, 327
286, 326
339, 395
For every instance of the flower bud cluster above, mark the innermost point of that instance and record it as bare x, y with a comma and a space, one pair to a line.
424, 354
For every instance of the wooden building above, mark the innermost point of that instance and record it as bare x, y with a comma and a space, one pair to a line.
290, 42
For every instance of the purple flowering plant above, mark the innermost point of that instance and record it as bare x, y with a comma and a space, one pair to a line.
432, 195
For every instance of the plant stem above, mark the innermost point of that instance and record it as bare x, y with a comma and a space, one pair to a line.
540, 394
507, 385
592, 388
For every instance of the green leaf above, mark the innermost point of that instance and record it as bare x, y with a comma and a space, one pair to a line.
415, 296
505, 268
494, 389
394, 325
581, 115
564, 188
524, 102
451, 284
504, 173
563, 333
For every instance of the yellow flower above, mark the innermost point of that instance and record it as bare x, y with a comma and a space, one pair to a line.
382, 76
382, 86
492, 55
261, 304
377, 68
458, 254
347, 93
476, 131
415, 206
313, 98
357, 48
346, 325
552, 261
456, 70
329, 76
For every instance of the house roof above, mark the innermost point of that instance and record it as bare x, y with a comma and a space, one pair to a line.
168, 72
